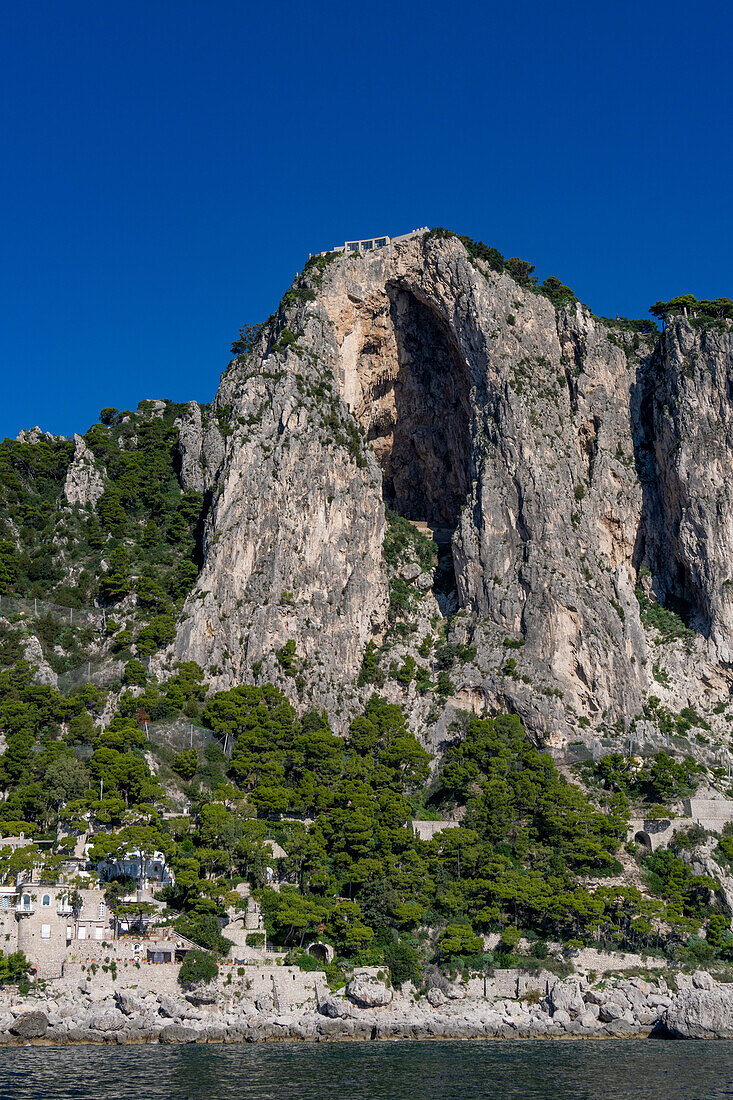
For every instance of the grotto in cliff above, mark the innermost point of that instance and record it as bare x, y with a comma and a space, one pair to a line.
426, 470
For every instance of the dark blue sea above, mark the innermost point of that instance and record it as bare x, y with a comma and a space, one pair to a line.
564, 1070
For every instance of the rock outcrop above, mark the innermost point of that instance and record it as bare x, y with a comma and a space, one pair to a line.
688, 517
511, 1004
37, 435
701, 1014
200, 446
30, 1025
293, 543
85, 479
33, 653
368, 992
558, 462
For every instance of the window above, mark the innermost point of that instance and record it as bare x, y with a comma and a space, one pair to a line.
98, 933
82, 933
45, 931
6, 903
26, 901
101, 908
46, 901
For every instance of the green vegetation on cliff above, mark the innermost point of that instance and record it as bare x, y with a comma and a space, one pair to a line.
318, 821
699, 310
525, 850
522, 271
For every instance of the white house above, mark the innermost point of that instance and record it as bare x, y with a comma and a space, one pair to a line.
148, 868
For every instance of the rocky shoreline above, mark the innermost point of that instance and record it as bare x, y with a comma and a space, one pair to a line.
367, 1009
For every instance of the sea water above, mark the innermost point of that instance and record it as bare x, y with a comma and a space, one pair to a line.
526, 1070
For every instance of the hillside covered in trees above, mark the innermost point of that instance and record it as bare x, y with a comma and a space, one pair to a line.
266, 637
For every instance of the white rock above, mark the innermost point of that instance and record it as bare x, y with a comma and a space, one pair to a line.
85, 480
702, 980
368, 992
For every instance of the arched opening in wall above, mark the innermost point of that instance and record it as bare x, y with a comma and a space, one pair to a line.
643, 839
419, 426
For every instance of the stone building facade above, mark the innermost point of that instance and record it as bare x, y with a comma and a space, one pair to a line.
38, 919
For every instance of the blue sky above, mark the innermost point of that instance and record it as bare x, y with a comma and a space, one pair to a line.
168, 166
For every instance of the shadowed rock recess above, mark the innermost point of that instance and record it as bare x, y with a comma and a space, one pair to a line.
572, 476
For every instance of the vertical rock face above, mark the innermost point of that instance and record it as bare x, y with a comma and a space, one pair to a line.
85, 479
553, 456
200, 446
508, 424
688, 452
293, 541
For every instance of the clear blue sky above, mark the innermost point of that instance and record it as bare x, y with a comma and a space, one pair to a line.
168, 166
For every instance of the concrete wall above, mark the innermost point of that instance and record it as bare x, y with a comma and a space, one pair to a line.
92, 961
288, 987
510, 984
587, 958
711, 813
426, 830
8, 931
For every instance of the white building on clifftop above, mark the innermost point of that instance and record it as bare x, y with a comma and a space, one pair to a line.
368, 244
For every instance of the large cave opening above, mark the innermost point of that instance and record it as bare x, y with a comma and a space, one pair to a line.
675, 583
420, 428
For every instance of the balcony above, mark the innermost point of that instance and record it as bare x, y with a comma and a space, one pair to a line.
63, 909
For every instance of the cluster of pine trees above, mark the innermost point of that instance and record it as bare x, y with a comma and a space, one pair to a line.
527, 854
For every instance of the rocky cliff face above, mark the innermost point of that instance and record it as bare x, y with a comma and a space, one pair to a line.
200, 447
85, 479
293, 542
557, 463
688, 449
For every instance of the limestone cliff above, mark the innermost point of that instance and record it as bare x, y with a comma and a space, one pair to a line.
688, 453
200, 447
293, 541
558, 463
84, 478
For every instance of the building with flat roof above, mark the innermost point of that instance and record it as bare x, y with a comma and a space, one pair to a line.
368, 244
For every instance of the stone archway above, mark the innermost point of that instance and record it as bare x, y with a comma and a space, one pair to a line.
321, 951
